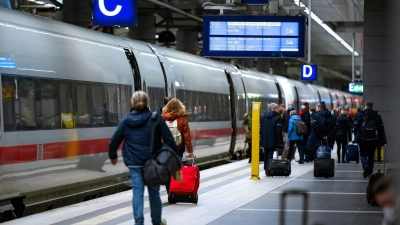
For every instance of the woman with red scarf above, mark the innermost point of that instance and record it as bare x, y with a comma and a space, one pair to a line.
306, 118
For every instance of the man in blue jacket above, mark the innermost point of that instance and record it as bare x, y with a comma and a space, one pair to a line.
271, 134
135, 130
369, 144
323, 129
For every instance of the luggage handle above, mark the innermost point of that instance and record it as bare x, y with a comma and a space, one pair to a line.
283, 204
187, 159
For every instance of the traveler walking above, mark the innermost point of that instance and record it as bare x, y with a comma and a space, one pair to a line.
271, 134
343, 135
305, 116
323, 128
297, 128
135, 131
369, 133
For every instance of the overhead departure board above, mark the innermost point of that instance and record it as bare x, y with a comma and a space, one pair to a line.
253, 36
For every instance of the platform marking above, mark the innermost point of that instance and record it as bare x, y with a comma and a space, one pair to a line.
322, 193
332, 179
310, 211
126, 210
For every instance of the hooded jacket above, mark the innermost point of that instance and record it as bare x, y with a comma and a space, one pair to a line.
271, 130
183, 127
135, 130
292, 135
323, 123
380, 127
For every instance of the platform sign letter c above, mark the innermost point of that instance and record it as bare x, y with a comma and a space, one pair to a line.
109, 13
310, 71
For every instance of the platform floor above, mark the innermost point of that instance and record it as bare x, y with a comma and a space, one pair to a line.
228, 196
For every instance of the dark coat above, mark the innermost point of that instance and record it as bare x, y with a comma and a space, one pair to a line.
343, 125
271, 130
323, 123
135, 130
306, 118
285, 120
381, 139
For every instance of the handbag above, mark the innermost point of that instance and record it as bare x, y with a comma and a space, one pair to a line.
323, 152
161, 165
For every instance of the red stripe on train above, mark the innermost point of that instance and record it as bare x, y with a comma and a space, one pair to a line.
37, 152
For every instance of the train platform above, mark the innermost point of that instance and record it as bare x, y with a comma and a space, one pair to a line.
228, 196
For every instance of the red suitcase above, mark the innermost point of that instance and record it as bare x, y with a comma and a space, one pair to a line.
185, 191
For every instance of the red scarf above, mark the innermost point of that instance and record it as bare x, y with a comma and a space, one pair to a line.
303, 111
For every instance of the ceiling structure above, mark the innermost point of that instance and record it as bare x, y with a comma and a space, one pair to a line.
344, 17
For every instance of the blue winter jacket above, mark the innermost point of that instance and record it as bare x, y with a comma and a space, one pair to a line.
293, 136
271, 130
135, 131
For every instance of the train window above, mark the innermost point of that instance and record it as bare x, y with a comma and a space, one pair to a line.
241, 106
126, 93
9, 102
156, 96
82, 106
196, 104
180, 94
189, 105
26, 92
66, 105
99, 116
47, 103
113, 104
215, 106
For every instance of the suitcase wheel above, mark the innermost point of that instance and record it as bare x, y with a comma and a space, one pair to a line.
357, 161
196, 199
171, 201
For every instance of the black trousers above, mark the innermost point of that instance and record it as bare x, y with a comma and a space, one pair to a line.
300, 147
341, 142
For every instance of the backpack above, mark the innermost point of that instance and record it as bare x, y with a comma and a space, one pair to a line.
173, 127
368, 129
301, 128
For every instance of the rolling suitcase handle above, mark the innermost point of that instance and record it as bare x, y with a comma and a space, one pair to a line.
187, 159
283, 205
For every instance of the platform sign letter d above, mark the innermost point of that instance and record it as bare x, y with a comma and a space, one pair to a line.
309, 72
109, 13
307, 68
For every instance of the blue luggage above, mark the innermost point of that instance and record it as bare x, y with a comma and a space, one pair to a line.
352, 153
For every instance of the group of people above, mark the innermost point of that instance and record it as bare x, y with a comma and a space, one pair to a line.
278, 131
135, 131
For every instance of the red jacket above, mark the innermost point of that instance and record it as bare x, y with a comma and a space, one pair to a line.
183, 127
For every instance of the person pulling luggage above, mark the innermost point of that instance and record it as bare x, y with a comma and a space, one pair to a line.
323, 128
343, 135
270, 134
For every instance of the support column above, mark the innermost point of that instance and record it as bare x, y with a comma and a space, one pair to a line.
145, 29
77, 12
382, 66
264, 65
278, 67
187, 40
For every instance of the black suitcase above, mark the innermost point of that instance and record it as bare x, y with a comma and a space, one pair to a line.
279, 167
324, 168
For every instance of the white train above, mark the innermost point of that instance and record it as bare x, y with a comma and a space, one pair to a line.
65, 88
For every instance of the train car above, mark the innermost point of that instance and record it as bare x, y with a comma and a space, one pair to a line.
65, 88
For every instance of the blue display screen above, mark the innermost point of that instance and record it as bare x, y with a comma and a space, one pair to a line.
253, 36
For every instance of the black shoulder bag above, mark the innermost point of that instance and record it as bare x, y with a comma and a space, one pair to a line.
161, 165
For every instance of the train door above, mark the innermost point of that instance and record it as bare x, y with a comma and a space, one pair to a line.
137, 81
232, 97
281, 97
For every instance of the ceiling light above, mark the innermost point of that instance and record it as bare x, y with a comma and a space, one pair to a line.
326, 27
39, 2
